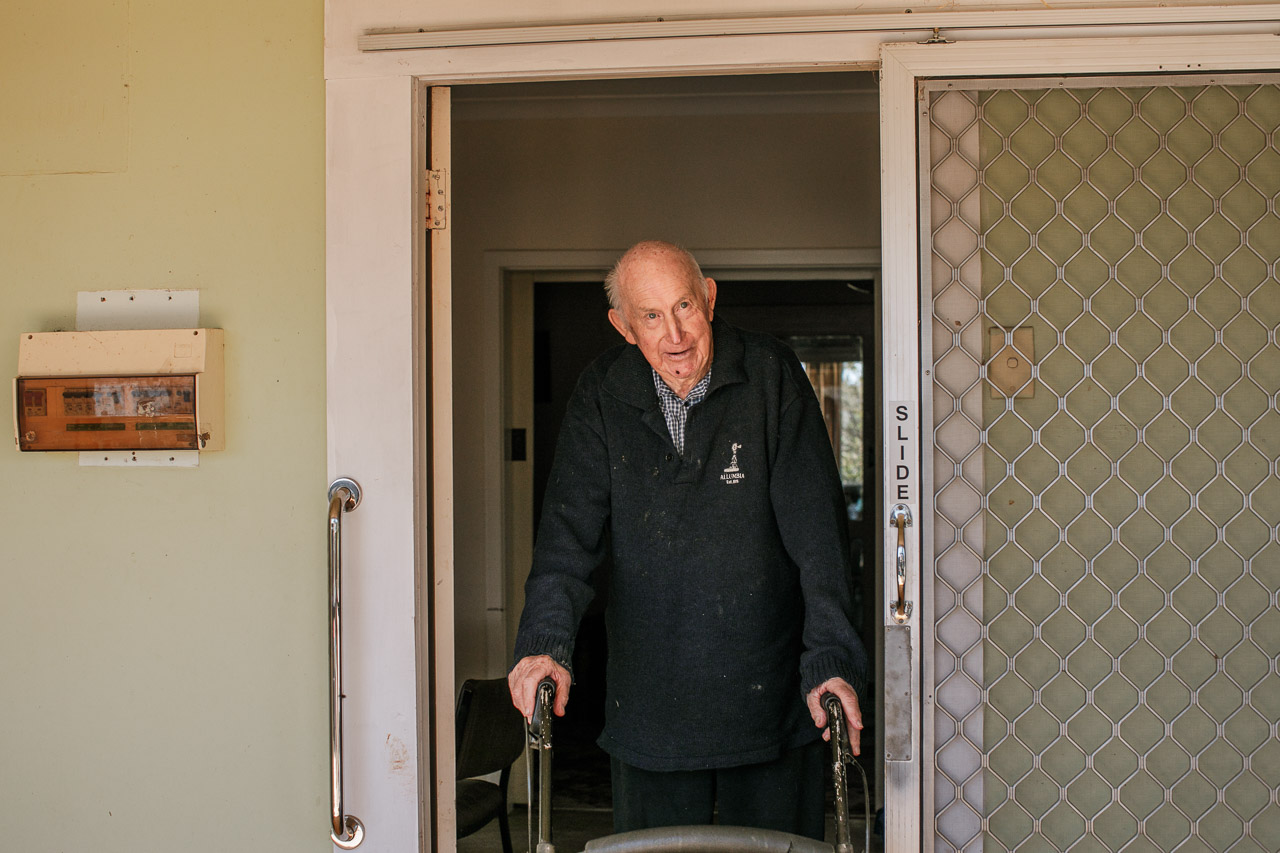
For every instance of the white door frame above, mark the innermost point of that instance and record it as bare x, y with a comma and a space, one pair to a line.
376, 332
375, 259
903, 210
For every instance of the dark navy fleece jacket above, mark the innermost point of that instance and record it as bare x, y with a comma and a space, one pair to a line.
729, 596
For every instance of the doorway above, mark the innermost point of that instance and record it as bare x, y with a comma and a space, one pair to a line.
830, 324
782, 165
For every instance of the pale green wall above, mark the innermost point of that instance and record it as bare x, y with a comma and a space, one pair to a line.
163, 632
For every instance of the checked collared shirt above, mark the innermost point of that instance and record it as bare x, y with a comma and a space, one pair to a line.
676, 411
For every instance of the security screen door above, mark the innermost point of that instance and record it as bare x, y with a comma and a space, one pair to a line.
1100, 267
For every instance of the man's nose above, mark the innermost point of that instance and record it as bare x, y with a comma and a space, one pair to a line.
675, 330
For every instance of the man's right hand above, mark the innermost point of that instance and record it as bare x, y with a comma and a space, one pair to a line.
524, 678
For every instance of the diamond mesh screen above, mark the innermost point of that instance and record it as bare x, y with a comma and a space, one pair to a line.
1106, 562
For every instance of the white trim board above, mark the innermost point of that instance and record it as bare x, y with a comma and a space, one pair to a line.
373, 262
740, 263
923, 20
780, 45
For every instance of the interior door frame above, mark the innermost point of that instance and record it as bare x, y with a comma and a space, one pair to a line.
507, 347
909, 802
507, 275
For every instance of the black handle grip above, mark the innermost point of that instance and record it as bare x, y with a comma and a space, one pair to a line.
543, 699
836, 723
831, 703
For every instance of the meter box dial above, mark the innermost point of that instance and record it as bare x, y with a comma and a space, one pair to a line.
155, 389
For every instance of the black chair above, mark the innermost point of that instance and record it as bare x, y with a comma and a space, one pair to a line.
490, 738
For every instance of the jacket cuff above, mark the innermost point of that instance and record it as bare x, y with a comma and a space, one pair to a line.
822, 666
553, 646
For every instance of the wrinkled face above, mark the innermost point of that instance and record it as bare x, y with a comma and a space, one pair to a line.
663, 312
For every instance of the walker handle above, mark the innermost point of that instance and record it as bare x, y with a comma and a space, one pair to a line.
540, 736
543, 699
841, 755
840, 749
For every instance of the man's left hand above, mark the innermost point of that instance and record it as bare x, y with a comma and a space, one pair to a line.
848, 701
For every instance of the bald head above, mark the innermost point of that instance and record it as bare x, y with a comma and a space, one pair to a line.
647, 252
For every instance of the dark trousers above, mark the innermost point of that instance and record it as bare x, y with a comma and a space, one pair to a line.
786, 794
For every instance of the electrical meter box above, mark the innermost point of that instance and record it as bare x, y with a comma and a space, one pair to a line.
146, 389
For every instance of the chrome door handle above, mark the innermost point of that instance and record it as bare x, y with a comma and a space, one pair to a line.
900, 517
344, 496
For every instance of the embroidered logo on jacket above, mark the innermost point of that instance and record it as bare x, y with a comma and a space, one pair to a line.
732, 476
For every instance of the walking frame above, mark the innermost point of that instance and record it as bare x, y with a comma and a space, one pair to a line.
695, 839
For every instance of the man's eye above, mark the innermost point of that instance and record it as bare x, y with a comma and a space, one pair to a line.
651, 316
684, 304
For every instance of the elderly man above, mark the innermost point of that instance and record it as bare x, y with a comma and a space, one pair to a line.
697, 457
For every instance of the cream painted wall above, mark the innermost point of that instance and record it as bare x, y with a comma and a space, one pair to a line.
737, 181
164, 663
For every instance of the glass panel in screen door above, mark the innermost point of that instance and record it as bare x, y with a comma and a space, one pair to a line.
1104, 542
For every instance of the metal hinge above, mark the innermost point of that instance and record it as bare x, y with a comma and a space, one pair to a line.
437, 206
936, 38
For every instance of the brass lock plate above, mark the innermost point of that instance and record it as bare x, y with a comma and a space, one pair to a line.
1009, 370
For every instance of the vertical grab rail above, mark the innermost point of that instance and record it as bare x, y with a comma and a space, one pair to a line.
344, 496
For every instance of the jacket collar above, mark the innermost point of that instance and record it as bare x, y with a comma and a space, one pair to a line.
630, 377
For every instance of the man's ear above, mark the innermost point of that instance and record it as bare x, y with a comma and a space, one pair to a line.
711, 298
620, 323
